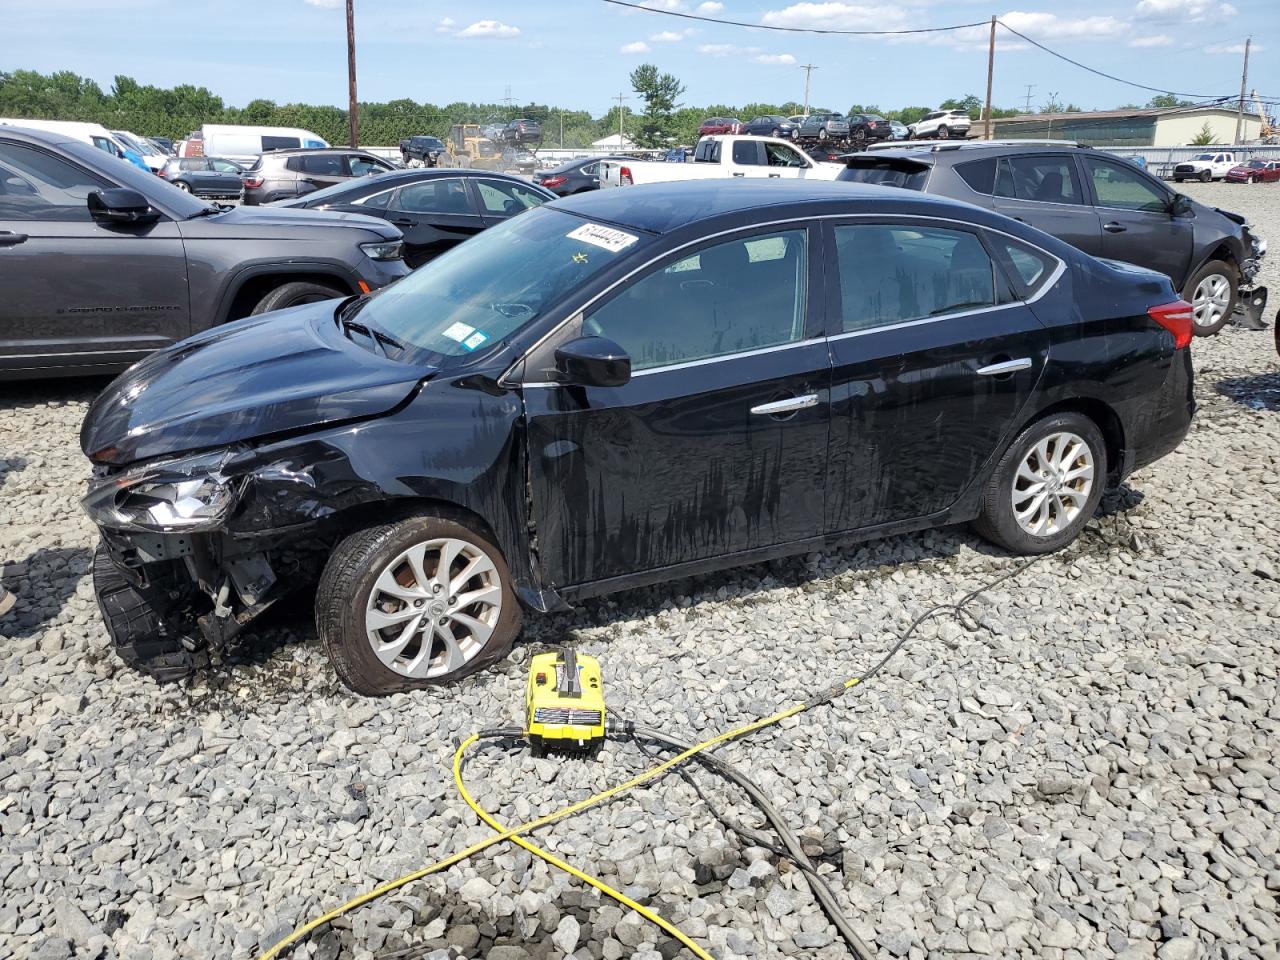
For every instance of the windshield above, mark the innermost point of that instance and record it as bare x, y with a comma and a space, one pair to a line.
484, 290
1256, 163
1204, 156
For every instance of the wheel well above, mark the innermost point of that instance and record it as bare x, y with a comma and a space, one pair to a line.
383, 511
1107, 422
255, 288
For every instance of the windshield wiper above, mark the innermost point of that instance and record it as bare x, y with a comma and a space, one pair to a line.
209, 211
376, 337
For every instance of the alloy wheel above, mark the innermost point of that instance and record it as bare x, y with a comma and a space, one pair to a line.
433, 608
1052, 484
1210, 302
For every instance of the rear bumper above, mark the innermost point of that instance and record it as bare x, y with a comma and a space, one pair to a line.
1164, 420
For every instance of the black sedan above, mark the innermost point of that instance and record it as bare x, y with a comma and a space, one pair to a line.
620, 388
435, 209
770, 126
572, 177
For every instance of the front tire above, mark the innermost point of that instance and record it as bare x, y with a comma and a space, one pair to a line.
1212, 292
822, 133
292, 295
1205, 176
422, 601
1046, 487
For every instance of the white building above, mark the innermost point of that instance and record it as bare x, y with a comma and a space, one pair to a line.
1161, 127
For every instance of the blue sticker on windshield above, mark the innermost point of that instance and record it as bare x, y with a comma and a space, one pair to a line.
474, 340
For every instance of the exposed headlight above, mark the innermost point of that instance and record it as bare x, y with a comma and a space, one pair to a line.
384, 249
189, 495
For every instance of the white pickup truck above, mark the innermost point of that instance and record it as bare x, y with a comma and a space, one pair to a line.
1205, 166
722, 156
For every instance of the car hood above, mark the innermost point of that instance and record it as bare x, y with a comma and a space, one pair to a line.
264, 375
257, 222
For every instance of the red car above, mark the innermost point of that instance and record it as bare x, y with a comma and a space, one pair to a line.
713, 126
1255, 171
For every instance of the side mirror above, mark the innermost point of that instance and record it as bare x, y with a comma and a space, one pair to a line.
121, 205
1179, 205
593, 362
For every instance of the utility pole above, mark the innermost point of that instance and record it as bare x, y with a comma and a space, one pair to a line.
1027, 108
561, 112
808, 69
621, 136
991, 66
1244, 78
353, 121
509, 101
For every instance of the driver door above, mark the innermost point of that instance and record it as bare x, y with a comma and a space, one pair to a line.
718, 444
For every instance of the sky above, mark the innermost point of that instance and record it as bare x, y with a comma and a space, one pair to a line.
579, 53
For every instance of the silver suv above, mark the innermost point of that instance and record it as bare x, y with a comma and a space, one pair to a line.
824, 126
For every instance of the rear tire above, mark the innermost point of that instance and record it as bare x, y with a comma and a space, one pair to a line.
140, 621
944, 133
294, 294
1053, 473
182, 185
1204, 291
353, 589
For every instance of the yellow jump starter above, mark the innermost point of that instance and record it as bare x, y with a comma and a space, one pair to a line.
564, 703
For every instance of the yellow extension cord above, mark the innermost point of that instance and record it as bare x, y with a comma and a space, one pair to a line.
515, 834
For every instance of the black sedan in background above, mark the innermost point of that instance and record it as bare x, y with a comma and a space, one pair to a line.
435, 208
770, 126
573, 177
624, 387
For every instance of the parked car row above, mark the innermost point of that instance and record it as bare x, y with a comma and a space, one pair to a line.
857, 129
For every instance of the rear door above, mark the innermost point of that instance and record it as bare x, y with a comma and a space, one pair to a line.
1044, 190
433, 215
933, 358
499, 200
225, 175
77, 293
319, 170
1137, 226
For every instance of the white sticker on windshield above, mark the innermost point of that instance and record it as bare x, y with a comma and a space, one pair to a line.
606, 238
474, 340
459, 332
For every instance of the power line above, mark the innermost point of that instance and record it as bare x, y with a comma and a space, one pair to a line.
757, 26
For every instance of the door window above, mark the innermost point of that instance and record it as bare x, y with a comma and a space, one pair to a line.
780, 155
378, 201
739, 295
1047, 179
448, 195
323, 165
500, 198
891, 274
361, 166
224, 166
35, 185
193, 163
745, 153
1117, 186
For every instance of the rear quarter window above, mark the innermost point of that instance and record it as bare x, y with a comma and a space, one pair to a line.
980, 175
1029, 269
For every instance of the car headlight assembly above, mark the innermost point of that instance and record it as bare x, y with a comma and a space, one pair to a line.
188, 496
384, 249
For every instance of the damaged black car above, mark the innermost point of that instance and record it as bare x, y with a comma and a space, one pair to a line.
620, 388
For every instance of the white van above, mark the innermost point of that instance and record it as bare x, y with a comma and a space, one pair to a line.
94, 134
246, 143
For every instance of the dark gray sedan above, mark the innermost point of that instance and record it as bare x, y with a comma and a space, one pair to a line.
204, 176
770, 125
576, 176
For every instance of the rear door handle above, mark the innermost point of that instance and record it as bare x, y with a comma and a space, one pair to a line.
1004, 367
401, 222
8, 239
789, 405
1114, 227
739, 174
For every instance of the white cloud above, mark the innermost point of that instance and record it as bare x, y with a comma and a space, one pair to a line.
710, 7
324, 4
778, 59
1049, 26
1237, 48
835, 15
667, 36
1185, 11
725, 49
490, 28
446, 25
639, 46
1152, 40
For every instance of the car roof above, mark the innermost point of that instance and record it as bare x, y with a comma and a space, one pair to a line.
941, 151
665, 207
291, 151
50, 137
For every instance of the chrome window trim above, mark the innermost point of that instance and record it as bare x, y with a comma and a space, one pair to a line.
504, 378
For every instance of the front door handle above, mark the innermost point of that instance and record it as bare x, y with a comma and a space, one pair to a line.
401, 221
1114, 227
1005, 367
788, 405
739, 174
8, 239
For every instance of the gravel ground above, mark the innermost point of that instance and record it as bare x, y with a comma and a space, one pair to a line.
1091, 770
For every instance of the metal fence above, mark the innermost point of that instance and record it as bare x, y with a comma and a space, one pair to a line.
1160, 161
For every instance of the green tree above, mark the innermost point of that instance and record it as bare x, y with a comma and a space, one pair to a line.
970, 104
1166, 100
1204, 137
659, 91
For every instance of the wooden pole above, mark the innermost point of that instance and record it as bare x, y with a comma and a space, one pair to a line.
991, 66
351, 74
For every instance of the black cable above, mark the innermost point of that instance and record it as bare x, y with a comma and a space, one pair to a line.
758, 26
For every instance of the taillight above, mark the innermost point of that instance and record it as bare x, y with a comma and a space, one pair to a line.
160, 172
624, 177
553, 181
1176, 318
251, 182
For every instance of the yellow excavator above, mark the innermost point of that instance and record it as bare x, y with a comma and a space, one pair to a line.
468, 147
1270, 134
